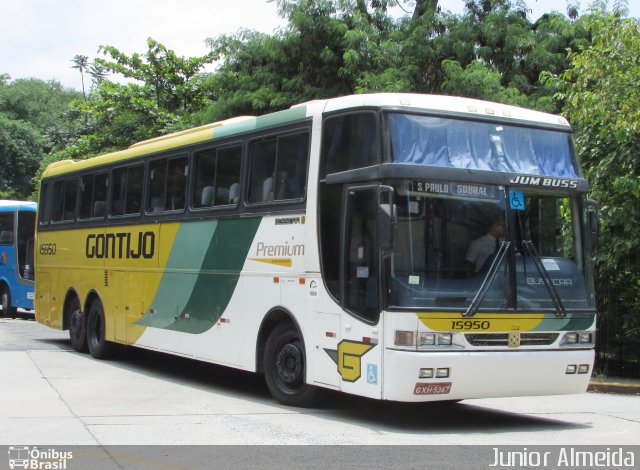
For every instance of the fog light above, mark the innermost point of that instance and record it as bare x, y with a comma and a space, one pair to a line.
444, 339
584, 338
571, 369
571, 338
583, 369
442, 373
426, 339
426, 373
405, 338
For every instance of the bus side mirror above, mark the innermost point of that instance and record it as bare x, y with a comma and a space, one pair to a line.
386, 217
593, 222
386, 224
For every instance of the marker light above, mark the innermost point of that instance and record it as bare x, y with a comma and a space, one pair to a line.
583, 369
405, 338
571, 369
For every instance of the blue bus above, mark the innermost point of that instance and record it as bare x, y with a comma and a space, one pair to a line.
17, 227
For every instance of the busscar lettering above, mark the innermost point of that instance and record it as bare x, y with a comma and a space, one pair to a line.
122, 245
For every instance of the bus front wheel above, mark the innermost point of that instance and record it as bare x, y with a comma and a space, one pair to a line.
5, 301
284, 367
77, 327
99, 347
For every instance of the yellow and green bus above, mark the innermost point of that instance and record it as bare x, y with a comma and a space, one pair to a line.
344, 244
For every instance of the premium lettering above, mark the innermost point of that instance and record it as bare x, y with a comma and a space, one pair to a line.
123, 245
279, 250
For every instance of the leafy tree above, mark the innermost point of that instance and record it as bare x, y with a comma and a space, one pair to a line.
21, 149
601, 92
35, 118
173, 80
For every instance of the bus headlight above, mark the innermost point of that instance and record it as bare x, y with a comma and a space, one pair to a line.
571, 338
577, 338
585, 337
426, 339
445, 339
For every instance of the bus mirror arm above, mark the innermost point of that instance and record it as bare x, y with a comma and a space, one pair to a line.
593, 222
386, 225
387, 216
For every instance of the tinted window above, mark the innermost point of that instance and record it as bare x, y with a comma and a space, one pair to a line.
279, 168
217, 177
167, 184
93, 196
65, 195
126, 195
349, 142
6, 228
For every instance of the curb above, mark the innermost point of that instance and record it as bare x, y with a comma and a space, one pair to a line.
629, 388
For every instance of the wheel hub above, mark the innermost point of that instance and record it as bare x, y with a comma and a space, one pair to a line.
289, 363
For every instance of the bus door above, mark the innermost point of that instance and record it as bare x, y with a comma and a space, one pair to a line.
366, 232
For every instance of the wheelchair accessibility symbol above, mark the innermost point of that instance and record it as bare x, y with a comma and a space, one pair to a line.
372, 374
516, 200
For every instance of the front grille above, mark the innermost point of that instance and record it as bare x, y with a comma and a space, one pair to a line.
502, 339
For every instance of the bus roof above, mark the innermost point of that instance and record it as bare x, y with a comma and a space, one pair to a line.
234, 126
9, 205
441, 104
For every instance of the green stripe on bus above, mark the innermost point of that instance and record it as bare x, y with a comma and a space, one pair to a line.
194, 302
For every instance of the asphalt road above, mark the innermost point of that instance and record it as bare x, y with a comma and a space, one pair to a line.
55, 396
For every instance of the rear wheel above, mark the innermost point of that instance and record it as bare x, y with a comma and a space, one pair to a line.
77, 327
284, 367
99, 347
5, 301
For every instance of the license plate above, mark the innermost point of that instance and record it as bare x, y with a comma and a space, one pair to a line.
440, 388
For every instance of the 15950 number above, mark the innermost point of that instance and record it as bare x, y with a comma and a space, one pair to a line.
470, 325
47, 249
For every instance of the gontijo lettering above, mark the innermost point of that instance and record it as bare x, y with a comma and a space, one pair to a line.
123, 245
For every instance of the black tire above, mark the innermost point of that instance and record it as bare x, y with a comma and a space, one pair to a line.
99, 347
284, 367
77, 327
5, 302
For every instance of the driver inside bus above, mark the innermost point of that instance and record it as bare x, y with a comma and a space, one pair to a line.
483, 248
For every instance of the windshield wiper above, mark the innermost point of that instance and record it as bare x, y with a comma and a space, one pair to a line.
553, 293
488, 279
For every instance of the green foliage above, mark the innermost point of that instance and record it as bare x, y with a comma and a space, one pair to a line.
601, 92
21, 149
35, 119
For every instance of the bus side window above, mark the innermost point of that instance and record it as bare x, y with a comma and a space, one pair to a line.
126, 191
65, 196
217, 177
6, 228
349, 142
279, 168
167, 184
93, 196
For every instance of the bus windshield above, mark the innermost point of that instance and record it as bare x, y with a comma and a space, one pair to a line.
448, 234
458, 143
